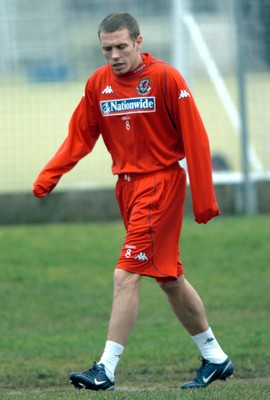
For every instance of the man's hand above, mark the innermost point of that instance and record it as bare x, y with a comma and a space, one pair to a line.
204, 217
40, 191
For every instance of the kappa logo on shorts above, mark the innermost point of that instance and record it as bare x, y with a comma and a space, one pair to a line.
141, 257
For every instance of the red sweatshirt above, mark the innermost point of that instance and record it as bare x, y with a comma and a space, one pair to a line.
148, 120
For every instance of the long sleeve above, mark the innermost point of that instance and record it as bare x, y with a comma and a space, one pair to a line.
82, 135
199, 164
196, 147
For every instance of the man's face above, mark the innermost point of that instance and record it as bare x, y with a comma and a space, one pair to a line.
121, 52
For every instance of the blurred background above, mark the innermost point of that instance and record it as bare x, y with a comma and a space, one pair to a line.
49, 48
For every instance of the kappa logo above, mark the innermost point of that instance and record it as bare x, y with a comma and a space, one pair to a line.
209, 340
183, 94
141, 257
108, 90
128, 106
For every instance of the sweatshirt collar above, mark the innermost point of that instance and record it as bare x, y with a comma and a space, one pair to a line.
146, 59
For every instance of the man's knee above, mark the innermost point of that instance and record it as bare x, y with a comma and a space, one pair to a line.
125, 280
167, 286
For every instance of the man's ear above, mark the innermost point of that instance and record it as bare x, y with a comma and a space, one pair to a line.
138, 42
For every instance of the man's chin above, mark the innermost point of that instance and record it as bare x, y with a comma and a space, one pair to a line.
120, 70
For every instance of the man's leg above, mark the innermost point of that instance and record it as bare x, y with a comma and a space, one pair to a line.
189, 309
125, 305
123, 316
186, 304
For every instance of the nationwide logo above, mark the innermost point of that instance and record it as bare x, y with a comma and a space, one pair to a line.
128, 106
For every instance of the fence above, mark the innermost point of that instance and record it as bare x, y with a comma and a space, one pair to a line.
48, 49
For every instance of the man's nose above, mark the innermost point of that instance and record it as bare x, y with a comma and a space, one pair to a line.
115, 53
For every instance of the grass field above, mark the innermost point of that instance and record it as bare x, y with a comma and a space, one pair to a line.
56, 290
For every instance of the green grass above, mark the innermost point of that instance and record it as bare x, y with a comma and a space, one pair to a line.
56, 291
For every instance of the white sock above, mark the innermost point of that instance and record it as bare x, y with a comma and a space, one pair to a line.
209, 347
110, 357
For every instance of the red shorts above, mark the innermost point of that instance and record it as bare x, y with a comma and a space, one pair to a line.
152, 208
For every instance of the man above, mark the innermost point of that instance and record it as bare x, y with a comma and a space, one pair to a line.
148, 120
